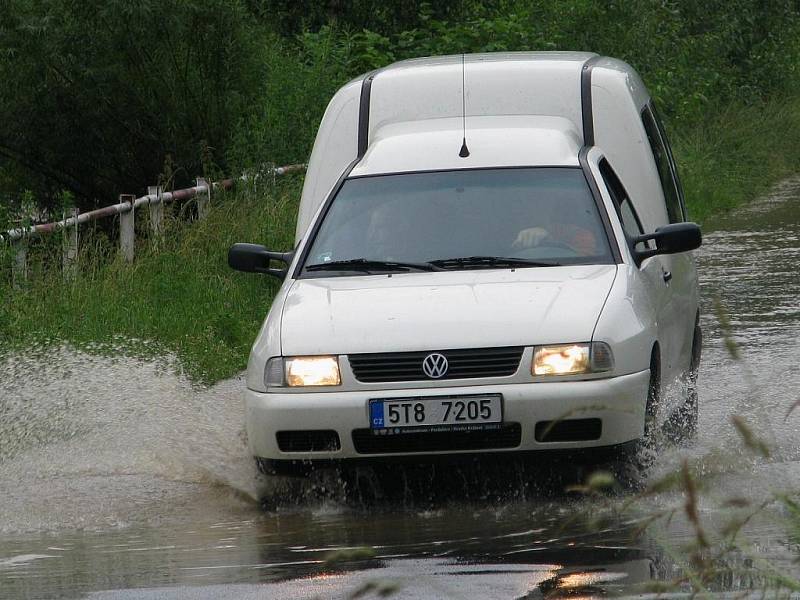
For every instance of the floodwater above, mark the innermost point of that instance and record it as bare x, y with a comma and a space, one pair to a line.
120, 479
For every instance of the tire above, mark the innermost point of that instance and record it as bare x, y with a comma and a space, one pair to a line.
653, 399
683, 422
647, 446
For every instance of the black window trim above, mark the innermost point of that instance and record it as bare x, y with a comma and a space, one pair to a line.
673, 165
617, 205
601, 207
650, 108
587, 113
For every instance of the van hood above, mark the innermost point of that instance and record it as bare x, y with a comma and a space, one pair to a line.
444, 310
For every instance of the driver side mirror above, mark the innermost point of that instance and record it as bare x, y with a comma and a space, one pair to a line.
670, 239
254, 258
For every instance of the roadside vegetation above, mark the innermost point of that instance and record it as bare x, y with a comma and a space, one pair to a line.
165, 91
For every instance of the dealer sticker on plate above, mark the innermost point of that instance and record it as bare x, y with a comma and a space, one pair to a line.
446, 412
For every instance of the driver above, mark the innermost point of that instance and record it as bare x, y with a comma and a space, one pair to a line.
563, 224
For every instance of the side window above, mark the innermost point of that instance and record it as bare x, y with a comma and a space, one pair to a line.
623, 204
665, 165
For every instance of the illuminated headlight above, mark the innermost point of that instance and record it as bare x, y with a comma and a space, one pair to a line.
312, 371
572, 359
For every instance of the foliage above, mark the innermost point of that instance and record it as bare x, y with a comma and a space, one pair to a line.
737, 154
693, 57
97, 92
293, 16
100, 94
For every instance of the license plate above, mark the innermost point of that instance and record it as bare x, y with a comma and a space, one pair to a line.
445, 412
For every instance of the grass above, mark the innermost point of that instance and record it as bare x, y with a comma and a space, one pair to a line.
737, 155
180, 297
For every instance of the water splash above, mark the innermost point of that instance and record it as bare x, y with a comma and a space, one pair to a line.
89, 442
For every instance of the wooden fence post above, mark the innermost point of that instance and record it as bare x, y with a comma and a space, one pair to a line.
19, 268
156, 211
203, 199
70, 252
127, 233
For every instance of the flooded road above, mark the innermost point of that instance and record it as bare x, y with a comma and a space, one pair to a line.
119, 479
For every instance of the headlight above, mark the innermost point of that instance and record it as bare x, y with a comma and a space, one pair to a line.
572, 359
312, 370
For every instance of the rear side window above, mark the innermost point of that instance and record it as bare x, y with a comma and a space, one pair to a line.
625, 210
665, 164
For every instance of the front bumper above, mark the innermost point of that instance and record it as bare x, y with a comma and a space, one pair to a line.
619, 402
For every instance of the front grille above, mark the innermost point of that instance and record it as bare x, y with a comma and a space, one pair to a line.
569, 430
462, 364
313, 440
507, 436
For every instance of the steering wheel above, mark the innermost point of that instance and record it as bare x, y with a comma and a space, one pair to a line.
551, 243
548, 249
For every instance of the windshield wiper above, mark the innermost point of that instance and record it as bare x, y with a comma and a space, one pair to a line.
489, 262
368, 266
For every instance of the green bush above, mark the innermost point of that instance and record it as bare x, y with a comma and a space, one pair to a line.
97, 93
695, 59
736, 154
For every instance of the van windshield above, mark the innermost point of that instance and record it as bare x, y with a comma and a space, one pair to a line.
466, 219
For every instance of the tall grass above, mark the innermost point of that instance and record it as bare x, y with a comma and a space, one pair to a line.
736, 154
179, 294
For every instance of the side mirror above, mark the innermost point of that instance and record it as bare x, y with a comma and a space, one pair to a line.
253, 258
670, 239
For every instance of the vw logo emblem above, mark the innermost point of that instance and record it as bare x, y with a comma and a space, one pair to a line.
435, 365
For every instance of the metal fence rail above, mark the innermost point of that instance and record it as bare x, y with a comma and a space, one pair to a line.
126, 208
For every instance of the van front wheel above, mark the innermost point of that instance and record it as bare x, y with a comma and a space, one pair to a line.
682, 423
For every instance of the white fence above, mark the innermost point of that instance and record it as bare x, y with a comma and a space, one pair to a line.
155, 199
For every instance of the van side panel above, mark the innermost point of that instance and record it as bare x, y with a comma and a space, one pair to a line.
618, 96
335, 148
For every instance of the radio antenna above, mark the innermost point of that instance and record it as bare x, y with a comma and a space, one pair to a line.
464, 152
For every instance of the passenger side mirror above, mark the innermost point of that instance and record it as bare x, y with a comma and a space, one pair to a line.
670, 239
253, 258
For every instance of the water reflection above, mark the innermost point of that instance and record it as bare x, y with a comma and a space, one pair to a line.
451, 549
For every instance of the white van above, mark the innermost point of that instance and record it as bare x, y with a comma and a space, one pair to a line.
491, 257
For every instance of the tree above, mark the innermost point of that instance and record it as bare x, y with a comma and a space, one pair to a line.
96, 93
